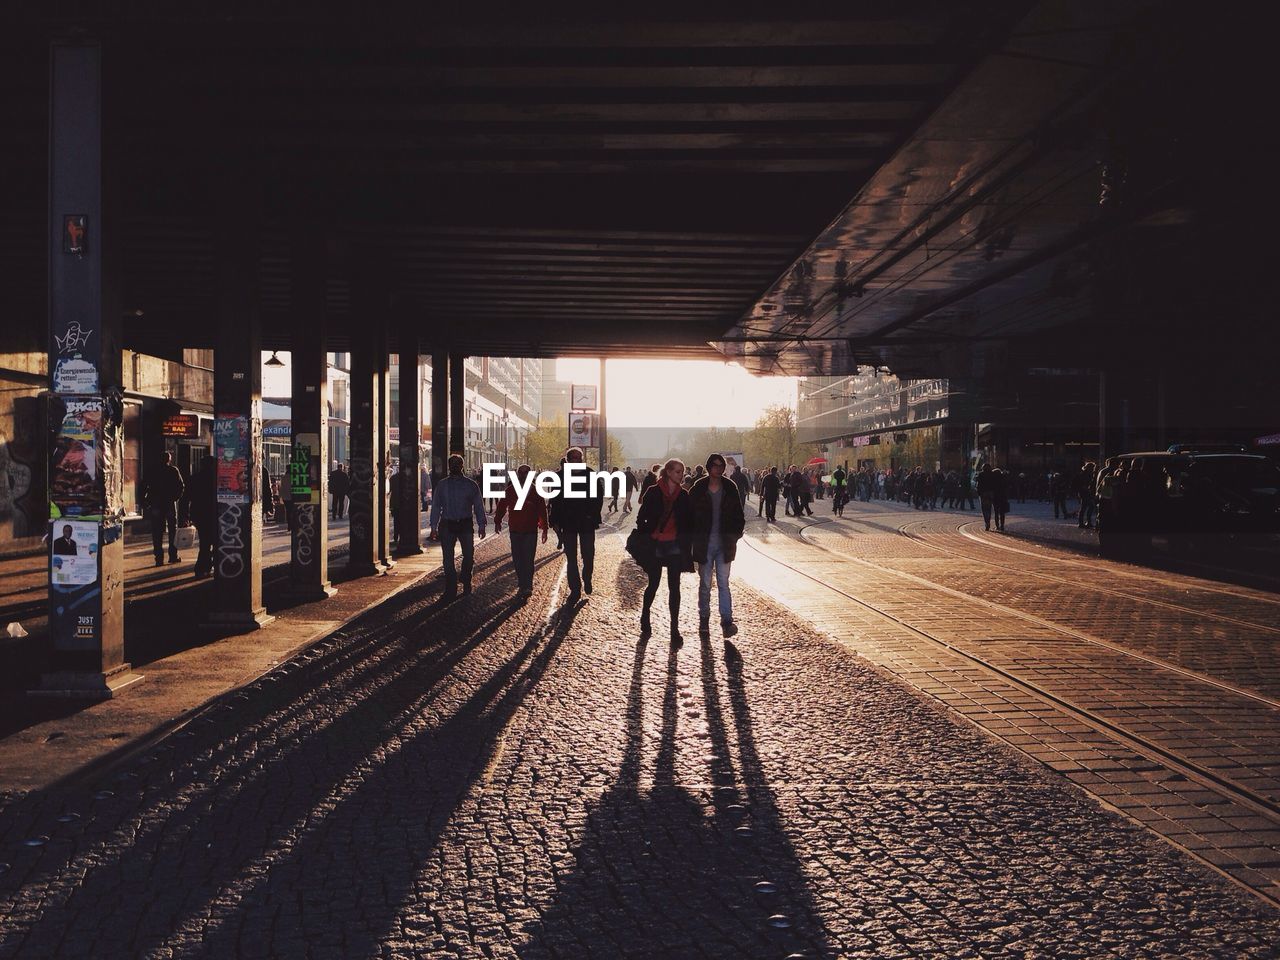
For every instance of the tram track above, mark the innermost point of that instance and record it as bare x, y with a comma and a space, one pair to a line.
1254, 597
1054, 625
1140, 744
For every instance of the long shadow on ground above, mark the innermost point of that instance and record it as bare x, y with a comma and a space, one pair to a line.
673, 872
326, 781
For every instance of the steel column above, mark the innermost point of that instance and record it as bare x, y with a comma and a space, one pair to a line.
308, 473
382, 433
439, 414
86, 548
368, 302
237, 391
409, 509
457, 410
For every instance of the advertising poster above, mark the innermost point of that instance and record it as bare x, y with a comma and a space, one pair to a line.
73, 561
73, 372
733, 461
582, 432
304, 469
231, 448
75, 480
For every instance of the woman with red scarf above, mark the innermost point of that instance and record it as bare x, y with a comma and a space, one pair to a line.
665, 516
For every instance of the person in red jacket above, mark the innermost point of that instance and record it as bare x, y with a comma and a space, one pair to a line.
525, 524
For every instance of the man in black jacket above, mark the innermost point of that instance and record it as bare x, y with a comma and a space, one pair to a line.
164, 490
575, 520
770, 487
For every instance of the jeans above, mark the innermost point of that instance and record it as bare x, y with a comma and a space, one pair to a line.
717, 564
523, 548
771, 509
571, 539
461, 533
339, 505
162, 517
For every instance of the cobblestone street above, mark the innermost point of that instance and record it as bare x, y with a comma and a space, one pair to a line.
930, 743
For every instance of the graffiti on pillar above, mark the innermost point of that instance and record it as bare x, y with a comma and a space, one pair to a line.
305, 534
361, 513
231, 548
73, 371
231, 448
76, 482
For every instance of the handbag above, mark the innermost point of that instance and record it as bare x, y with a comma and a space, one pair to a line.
645, 550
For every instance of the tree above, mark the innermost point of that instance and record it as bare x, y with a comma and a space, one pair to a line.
773, 442
543, 447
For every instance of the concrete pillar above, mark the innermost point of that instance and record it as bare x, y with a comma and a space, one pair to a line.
604, 435
308, 473
368, 301
457, 409
439, 414
237, 391
409, 508
86, 558
382, 434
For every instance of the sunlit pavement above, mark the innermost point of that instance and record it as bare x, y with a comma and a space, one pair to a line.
891, 769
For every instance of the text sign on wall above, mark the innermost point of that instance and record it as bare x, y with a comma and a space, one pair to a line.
183, 425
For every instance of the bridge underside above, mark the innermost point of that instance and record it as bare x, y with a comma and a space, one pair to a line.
930, 187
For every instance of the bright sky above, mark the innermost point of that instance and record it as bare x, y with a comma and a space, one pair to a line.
691, 393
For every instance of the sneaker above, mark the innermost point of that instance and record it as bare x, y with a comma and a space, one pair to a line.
676, 639
728, 628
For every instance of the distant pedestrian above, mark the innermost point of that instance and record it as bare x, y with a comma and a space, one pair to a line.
613, 500
986, 493
576, 520
648, 481
718, 523
666, 517
457, 502
202, 494
770, 489
160, 498
339, 487
1088, 493
629, 478
741, 482
526, 521
838, 483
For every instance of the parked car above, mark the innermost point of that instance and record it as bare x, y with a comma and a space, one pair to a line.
1185, 494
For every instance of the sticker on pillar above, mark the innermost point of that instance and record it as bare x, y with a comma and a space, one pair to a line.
231, 448
74, 559
72, 372
304, 469
75, 234
75, 481
582, 430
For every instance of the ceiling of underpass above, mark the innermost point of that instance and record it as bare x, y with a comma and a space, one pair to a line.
915, 184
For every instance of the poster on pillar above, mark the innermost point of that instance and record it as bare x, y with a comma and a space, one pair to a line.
73, 371
73, 561
304, 468
582, 430
75, 468
231, 448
